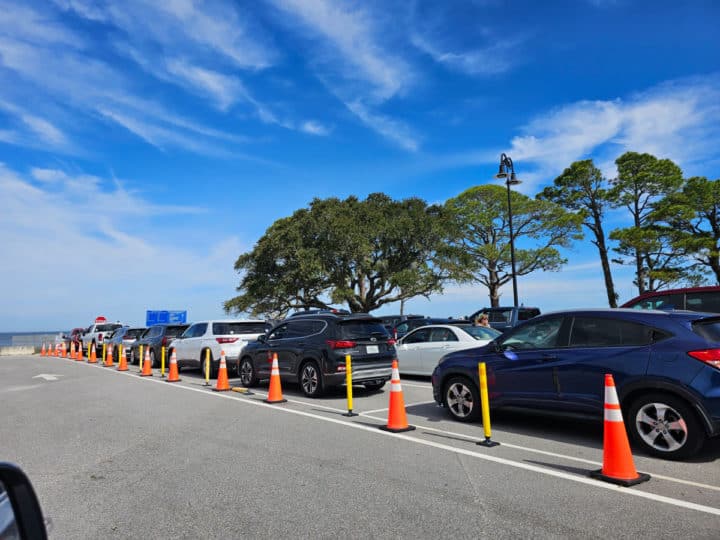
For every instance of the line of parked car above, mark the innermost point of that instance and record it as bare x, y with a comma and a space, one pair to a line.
666, 364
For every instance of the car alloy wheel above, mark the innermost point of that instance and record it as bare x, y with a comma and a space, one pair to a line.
665, 426
247, 373
462, 399
311, 380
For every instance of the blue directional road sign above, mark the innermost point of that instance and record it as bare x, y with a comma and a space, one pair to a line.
165, 317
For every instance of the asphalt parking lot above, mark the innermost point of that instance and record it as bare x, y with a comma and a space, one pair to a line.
115, 455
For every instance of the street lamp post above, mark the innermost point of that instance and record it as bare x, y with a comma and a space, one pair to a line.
507, 172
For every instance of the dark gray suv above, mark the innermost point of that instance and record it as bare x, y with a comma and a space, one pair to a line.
311, 351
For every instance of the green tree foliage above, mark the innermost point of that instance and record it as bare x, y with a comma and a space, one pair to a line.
693, 219
479, 218
361, 253
582, 189
643, 181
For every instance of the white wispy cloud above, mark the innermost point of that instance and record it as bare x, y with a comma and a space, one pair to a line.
40, 223
499, 57
39, 127
315, 128
389, 128
679, 120
225, 90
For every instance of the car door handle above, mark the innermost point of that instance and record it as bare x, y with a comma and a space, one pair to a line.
548, 357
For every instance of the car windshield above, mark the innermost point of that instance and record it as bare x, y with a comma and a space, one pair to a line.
481, 332
229, 328
134, 333
362, 329
708, 329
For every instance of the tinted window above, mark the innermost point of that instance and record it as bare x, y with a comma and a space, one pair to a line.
661, 301
503, 316
107, 327
134, 333
542, 334
602, 332
280, 332
703, 301
418, 336
174, 331
361, 330
708, 329
298, 329
525, 314
228, 328
442, 334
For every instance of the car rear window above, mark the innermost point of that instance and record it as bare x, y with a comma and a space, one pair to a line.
107, 327
362, 329
708, 329
134, 333
503, 316
222, 328
175, 331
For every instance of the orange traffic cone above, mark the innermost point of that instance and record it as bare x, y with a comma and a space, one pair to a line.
122, 366
79, 356
93, 355
72, 350
174, 374
109, 357
618, 466
223, 385
147, 365
42, 351
63, 350
397, 419
275, 391
57, 350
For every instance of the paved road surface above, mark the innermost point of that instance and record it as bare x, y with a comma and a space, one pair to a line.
113, 455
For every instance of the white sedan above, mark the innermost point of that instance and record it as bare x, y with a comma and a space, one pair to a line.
419, 351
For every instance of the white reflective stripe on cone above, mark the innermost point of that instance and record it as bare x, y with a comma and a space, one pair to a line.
611, 396
395, 387
613, 415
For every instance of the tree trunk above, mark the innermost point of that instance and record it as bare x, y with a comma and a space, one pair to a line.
602, 248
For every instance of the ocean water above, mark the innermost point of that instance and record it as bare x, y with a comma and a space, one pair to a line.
27, 338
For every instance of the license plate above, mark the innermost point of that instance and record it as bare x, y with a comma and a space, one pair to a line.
372, 349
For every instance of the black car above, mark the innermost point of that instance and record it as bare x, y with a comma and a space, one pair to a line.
311, 351
156, 337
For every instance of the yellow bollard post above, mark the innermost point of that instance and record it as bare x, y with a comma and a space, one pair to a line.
140, 360
348, 384
485, 401
162, 361
104, 356
207, 367
120, 351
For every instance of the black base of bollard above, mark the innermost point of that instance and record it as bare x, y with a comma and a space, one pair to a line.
350, 413
487, 443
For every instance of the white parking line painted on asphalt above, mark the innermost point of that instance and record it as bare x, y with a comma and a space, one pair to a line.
546, 453
428, 386
367, 414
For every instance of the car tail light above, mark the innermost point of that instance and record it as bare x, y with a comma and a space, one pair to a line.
340, 344
163, 343
222, 340
341, 368
391, 342
709, 356
99, 337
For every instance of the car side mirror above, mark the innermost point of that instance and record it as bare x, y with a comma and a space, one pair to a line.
20, 513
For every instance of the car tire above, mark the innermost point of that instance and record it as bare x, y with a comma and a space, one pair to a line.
665, 426
310, 379
374, 387
246, 372
462, 399
153, 363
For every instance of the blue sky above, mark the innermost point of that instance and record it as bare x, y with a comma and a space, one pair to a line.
145, 145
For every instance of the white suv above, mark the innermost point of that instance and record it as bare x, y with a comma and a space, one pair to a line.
229, 335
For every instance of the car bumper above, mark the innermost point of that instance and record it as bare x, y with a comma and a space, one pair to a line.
359, 376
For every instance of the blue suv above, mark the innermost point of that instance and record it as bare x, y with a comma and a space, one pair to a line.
666, 367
